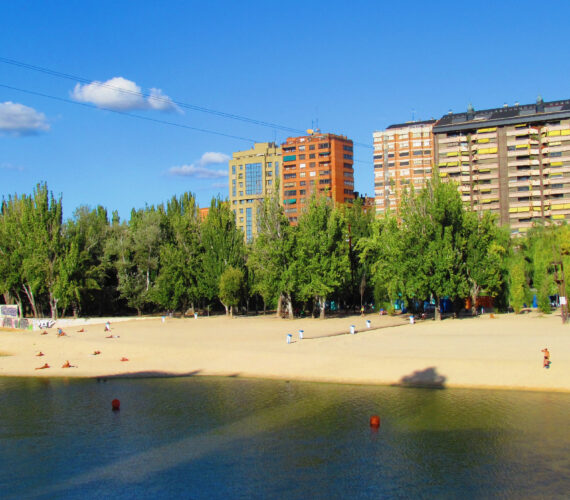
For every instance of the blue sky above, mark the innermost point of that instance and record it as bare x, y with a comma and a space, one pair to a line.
356, 67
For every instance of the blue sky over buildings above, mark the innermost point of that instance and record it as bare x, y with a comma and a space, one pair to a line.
199, 80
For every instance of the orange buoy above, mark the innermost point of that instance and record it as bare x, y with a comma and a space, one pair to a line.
116, 404
374, 421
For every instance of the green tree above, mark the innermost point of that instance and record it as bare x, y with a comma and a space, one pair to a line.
231, 287
222, 245
177, 284
271, 255
322, 263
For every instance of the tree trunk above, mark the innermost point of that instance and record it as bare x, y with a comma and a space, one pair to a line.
475, 290
231, 311
279, 305
289, 305
53, 305
30, 294
437, 311
322, 306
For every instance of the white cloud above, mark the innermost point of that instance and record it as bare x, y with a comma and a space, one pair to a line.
21, 120
10, 166
211, 158
200, 168
121, 94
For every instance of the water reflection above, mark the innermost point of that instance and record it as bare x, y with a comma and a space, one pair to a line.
209, 438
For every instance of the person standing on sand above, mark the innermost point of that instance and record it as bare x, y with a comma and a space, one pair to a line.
546, 362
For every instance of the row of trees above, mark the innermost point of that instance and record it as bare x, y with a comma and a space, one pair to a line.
166, 258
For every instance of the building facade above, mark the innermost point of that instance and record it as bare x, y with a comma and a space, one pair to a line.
253, 175
403, 157
514, 160
316, 163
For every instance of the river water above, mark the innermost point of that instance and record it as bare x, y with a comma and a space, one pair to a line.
206, 438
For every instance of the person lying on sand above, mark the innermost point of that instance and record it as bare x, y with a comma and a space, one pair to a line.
61, 333
68, 365
42, 367
95, 353
112, 337
124, 359
40, 353
44, 332
80, 331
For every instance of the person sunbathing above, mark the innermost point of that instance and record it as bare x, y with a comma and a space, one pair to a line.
61, 333
124, 359
44, 332
40, 353
95, 353
42, 367
112, 337
67, 365
80, 331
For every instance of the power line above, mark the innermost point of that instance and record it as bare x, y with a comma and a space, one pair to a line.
131, 115
165, 100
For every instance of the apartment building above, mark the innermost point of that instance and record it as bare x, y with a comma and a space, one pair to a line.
316, 163
514, 160
252, 176
403, 157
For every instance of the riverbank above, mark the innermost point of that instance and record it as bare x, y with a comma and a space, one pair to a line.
503, 351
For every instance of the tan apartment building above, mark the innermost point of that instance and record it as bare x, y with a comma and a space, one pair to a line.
403, 157
316, 163
253, 174
514, 160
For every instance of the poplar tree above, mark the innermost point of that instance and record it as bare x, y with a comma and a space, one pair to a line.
322, 264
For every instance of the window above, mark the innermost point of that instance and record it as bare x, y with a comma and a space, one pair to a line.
347, 148
269, 173
290, 176
390, 155
233, 169
253, 181
324, 145
301, 157
302, 191
404, 153
347, 157
302, 148
248, 224
312, 174
269, 182
417, 153
311, 147
312, 156
290, 192
347, 174
302, 174
324, 181
404, 163
302, 165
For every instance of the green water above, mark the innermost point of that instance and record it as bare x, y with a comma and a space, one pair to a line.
235, 438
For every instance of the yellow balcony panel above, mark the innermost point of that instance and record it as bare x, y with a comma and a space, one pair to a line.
565, 132
453, 153
483, 130
483, 141
558, 216
553, 133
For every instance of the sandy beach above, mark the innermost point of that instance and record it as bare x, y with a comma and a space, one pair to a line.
503, 351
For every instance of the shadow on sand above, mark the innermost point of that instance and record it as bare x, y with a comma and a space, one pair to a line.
147, 374
427, 377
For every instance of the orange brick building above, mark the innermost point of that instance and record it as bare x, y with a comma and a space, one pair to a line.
316, 163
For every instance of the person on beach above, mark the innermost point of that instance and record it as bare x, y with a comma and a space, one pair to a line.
95, 353
67, 365
124, 359
40, 353
42, 367
112, 337
546, 362
61, 333
108, 326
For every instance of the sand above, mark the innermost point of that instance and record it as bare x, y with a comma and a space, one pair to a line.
485, 352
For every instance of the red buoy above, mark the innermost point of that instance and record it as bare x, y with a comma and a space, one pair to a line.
116, 404
374, 421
